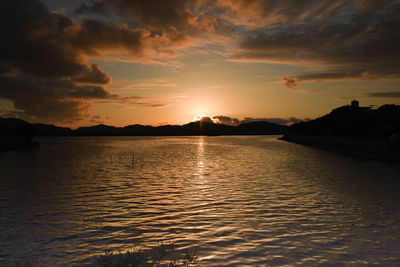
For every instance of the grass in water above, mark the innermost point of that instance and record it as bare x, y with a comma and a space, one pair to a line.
162, 255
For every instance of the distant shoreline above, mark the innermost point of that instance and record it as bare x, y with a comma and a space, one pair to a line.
360, 147
10, 127
160, 135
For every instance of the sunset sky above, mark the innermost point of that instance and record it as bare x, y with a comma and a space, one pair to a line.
120, 62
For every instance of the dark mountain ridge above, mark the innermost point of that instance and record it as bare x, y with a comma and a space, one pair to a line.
192, 128
353, 130
355, 121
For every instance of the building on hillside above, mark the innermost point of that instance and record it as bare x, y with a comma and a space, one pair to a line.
355, 104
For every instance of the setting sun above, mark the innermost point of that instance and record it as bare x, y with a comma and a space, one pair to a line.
199, 117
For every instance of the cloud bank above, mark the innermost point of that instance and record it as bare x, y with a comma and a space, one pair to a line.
391, 94
234, 121
46, 66
346, 39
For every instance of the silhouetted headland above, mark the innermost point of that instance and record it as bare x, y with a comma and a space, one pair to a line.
354, 130
18, 133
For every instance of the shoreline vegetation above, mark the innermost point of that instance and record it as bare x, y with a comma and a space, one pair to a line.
161, 255
353, 130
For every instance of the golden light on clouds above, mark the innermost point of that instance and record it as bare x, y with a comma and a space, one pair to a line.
124, 62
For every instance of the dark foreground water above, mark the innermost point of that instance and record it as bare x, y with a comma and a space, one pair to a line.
247, 200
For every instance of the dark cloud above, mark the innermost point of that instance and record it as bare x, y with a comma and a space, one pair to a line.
94, 38
272, 14
274, 120
95, 120
52, 45
334, 75
41, 68
153, 105
60, 100
93, 74
37, 43
392, 94
180, 19
234, 121
136, 100
352, 36
226, 120
44, 60
55, 100
151, 14
290, 82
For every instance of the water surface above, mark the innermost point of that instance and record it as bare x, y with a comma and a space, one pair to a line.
241, 200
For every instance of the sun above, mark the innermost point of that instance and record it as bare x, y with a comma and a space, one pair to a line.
199, 117
204, 118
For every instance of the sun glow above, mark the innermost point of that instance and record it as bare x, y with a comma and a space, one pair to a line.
199, 117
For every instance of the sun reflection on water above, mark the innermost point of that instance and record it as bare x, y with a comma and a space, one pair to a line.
243, 200
200, 156
200, 147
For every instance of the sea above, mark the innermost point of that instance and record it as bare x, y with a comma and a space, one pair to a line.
234, 200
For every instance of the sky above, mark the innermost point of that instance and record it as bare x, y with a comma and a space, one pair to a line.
121, 62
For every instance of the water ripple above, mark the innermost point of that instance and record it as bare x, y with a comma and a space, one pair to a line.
249, 200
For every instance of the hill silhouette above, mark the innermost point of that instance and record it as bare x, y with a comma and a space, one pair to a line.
382, 122
16, 134
358, 131
192, 128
